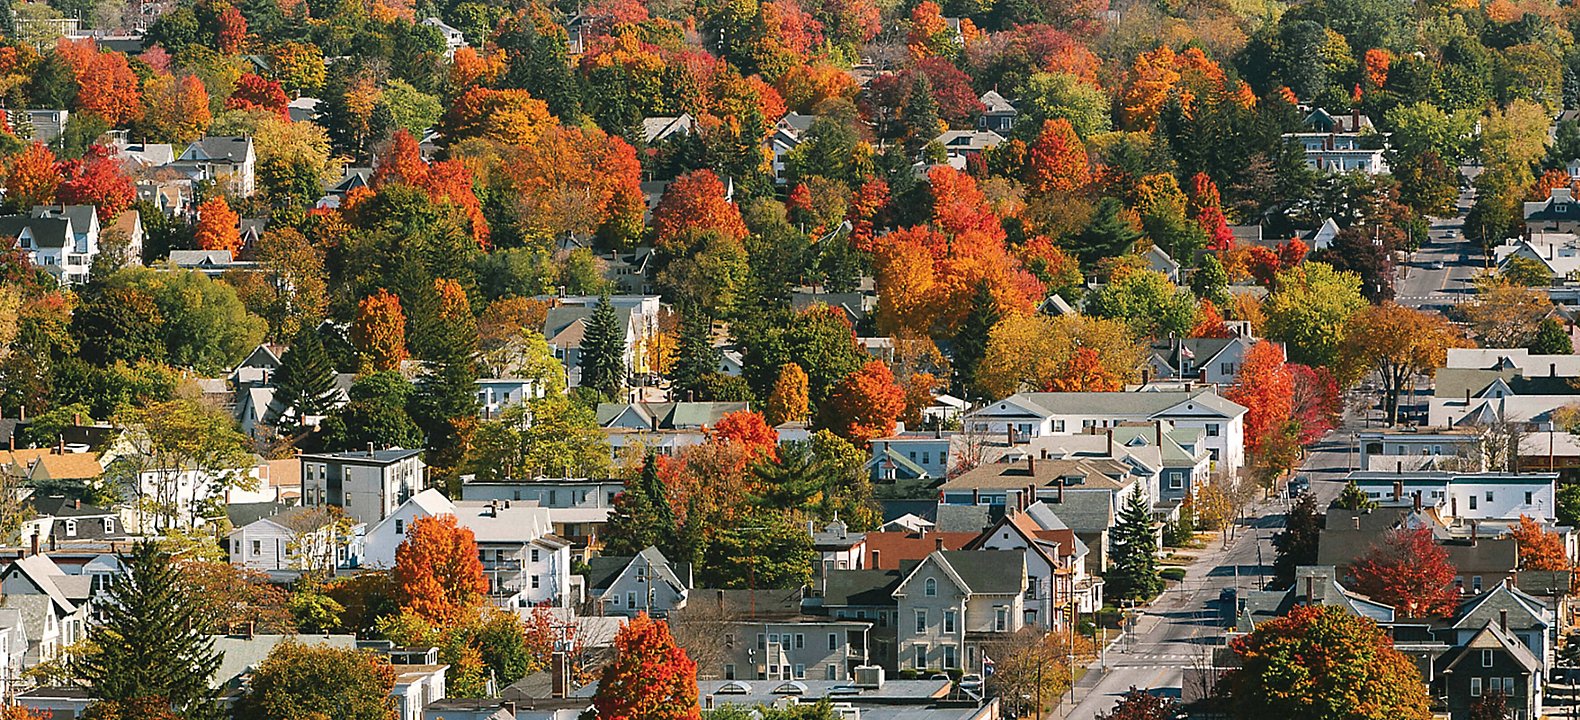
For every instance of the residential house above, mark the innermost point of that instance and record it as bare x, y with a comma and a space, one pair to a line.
786, 136
865, 596
764, 635
495, 395
837, 547
959, 144
57, 519
54, 605
1526, 617
1482, 398
229, 160
1055, 562
367, 485
1468, 496
1318, 120
298, 539
13, 649
566, 322
1558, 253
212, 263
1414, 449
551, 493
38, 125
910, 456
416, 686
648, 583
1479, 560
1028, 415
953, 602
453, 39
1557, 214
893, 549
1493, 660
656, 130
1314, 585
242, 653
663, 428
998, 114
1159, 261
61, 241
1215, 361
1340, 153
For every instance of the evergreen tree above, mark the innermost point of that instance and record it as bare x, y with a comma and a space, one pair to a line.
1353, 498
695, 358
920, 114
305, 382
1297, 542
642, 517
1109, 234
447, 392
149, 645
603, 350
1552, 339
970, 342
1210, 281
1133, 575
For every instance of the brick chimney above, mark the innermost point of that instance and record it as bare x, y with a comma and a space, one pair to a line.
1503, 619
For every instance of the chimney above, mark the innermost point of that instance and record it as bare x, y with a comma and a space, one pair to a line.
1059, 483
76, 418
976, 496
1552, 369
938, 544
1110, 442
1355, 120
35, 542
370, 449
1503, 619
1398, 489
76, 504
1159, 433
1031, 466
1417, 496
53, 543
1467, 398
1398, 467
60, 444
1009, 435
21, 413
562, 675
1311, 590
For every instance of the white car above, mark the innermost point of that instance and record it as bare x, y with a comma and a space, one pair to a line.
972, 681
1451, 234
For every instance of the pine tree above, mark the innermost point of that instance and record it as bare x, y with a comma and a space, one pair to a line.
1210, 281
1297, 543
970, 342
1133, 575
1552, 339
642, 517
305, 382
920, 114
695, 358
1353, 498
447, 392
148, 643
603, 350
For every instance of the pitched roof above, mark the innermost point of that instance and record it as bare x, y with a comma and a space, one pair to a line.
981, 572
889, 550
69, 466
231, 148
62, 507
861, 588
47, 232
47, 576
1089, 473
1143, 404
1524, 611
996, 104
1492, 637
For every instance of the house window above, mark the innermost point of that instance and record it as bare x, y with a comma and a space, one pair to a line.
1000, 618
729, 671
1528, 498
1486, 658
537, 581
833, 641
927, 459
919, 656
109, 525
1475, 687
534, 554
1472, 502
800, 641
1489, 496
1058, 426
1475, 583
831, 672
71, 528
800, 672
1176, 482
921, 621
949, 621
400, 526
1212, 429
1508, 686
630, 598
949, 657
930, 587
257, 548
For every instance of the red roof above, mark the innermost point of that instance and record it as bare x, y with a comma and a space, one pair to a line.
886, 550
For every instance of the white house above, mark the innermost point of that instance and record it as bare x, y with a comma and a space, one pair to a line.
526, 563
453, 39
1055, 564
368, 485
1340, 153
228, 160
297, 539
53, 604
566, 322
648, 582
1029, 415
63, 240
1469, 496
494, 395
13, 647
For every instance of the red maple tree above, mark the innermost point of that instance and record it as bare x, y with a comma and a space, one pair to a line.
96, 179
650, 678
695, 201
1209, 322
1316, 403
865, 405
1266, 390
750, 430
437, 573
31, 178
1407, 569
231, 30
1057, 160
253, 92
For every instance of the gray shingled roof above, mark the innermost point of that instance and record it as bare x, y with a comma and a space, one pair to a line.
861, 588
994, 572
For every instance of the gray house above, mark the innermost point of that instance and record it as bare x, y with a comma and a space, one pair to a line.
647, 583
953, 602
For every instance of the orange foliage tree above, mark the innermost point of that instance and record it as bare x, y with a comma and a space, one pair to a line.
1539, 548
447, 181
175, 109
695, 201
865, 404
437, 574
788, 401
96, 179
1209, 322
380, 331
253, 92
1553, 179
1407, 569
577, 180
1266, 390
231, 30
511, 117
650, 678
1057, 160
31, 178
1376, 63
1084, 371
106, 85
750, 430
218, 227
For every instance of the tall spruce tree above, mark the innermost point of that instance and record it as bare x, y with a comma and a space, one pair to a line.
1297, 542
1133, 575
642, 516
695, 358
971, 340
920, 114
603, 350
447, 391
305, 383
149, 645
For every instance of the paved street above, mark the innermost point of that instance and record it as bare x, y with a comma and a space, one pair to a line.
1440, 272
1177, 631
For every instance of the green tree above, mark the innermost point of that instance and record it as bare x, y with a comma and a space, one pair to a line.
1062, 95
1308, 309
1297, 542
564, 439
603, 350
1133, 574
1353, 498
1147, 302
695, 356
919, 116
119, 324
305, 382
301, 681
376, 414
165, 441
1569, 503
642, 517
206, 327
1552, 338
1210, 281
1528, 272
149, 644
971, 341
1108, 235
768, 549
